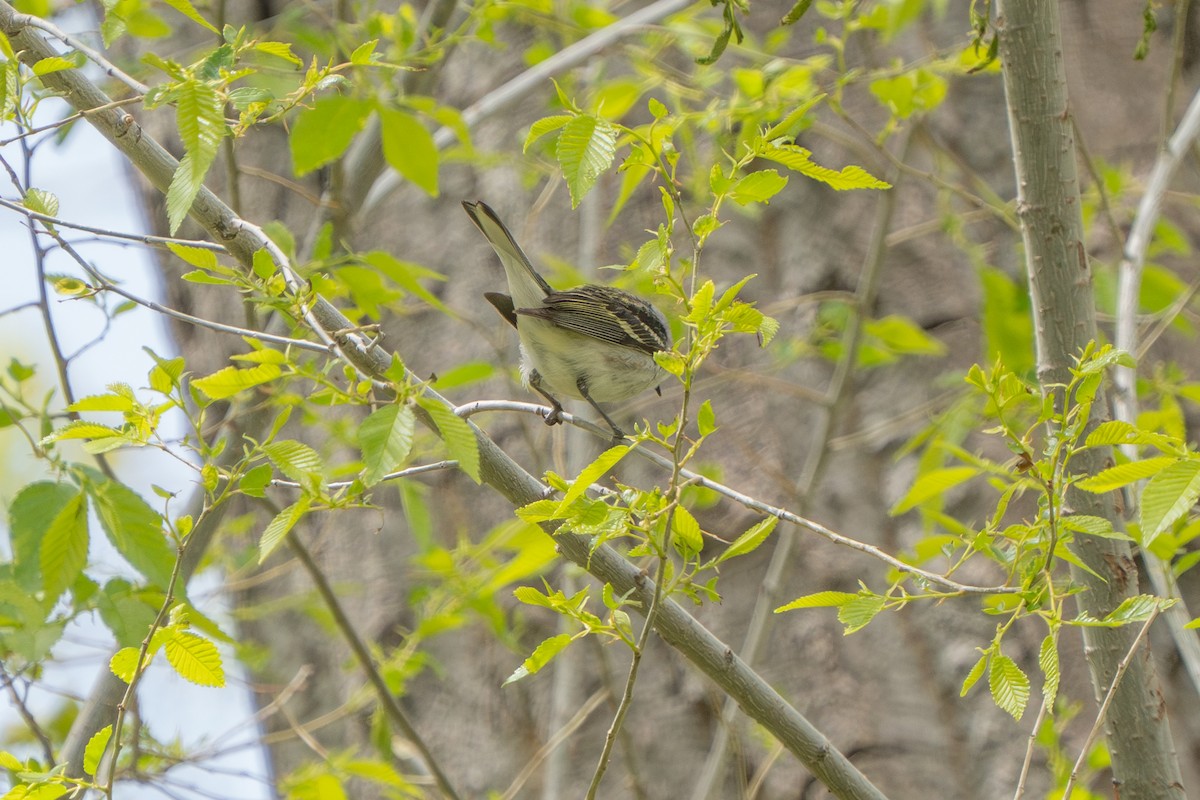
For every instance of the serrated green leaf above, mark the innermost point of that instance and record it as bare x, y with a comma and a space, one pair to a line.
124, 663
532, 597
200, 121
1135, 609
41, 201
324, 132
279, 527
195, 658
1125, 474
65, 546
856, 614
586, 146
458, 436
135, 530
1093, 526
688, 538
51, 64
228, 381
1008, 684
797, 159
296, 460
95, 749
1048, 663
542, 655
30, 513
930, 485
827, 599
409, 149
81, 429
750, 540
102, 402
592, 473
1168, 496
386, 438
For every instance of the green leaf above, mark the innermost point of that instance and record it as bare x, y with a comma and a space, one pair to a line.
1125, 474
706, 419
1048, 662
277, 529
95, 749
102, 402
188, 10
542, 655
200, 120
458, 436
750, 540
81, 429
592, 473
386, 438
41, 201
58, 63
297, 460
255, 481
688, 538
827, 599
1168, 496
364, 54
932, 484
757, 187
586, 146
543, 126
65, 546
324, 132
124, 663
856, 614
228, 381
135, 530
1093, 526
408, 147
30, 514
797, 159
973, 676
195, 658
1009, 685
196, 256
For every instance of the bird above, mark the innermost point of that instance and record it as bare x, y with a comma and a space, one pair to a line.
593, 343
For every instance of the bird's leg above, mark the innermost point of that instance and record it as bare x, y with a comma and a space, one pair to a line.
556, 409
618, 434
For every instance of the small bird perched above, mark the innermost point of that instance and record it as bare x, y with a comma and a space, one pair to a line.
594, 343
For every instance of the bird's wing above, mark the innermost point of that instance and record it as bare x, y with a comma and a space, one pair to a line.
605, 314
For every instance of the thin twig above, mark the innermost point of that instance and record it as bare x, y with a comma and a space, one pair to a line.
383, 694
1108, 696
30, 721
391, 476
110, 69
1030, 746
560, 736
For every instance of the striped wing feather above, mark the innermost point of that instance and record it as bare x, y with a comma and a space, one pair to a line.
606, 314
